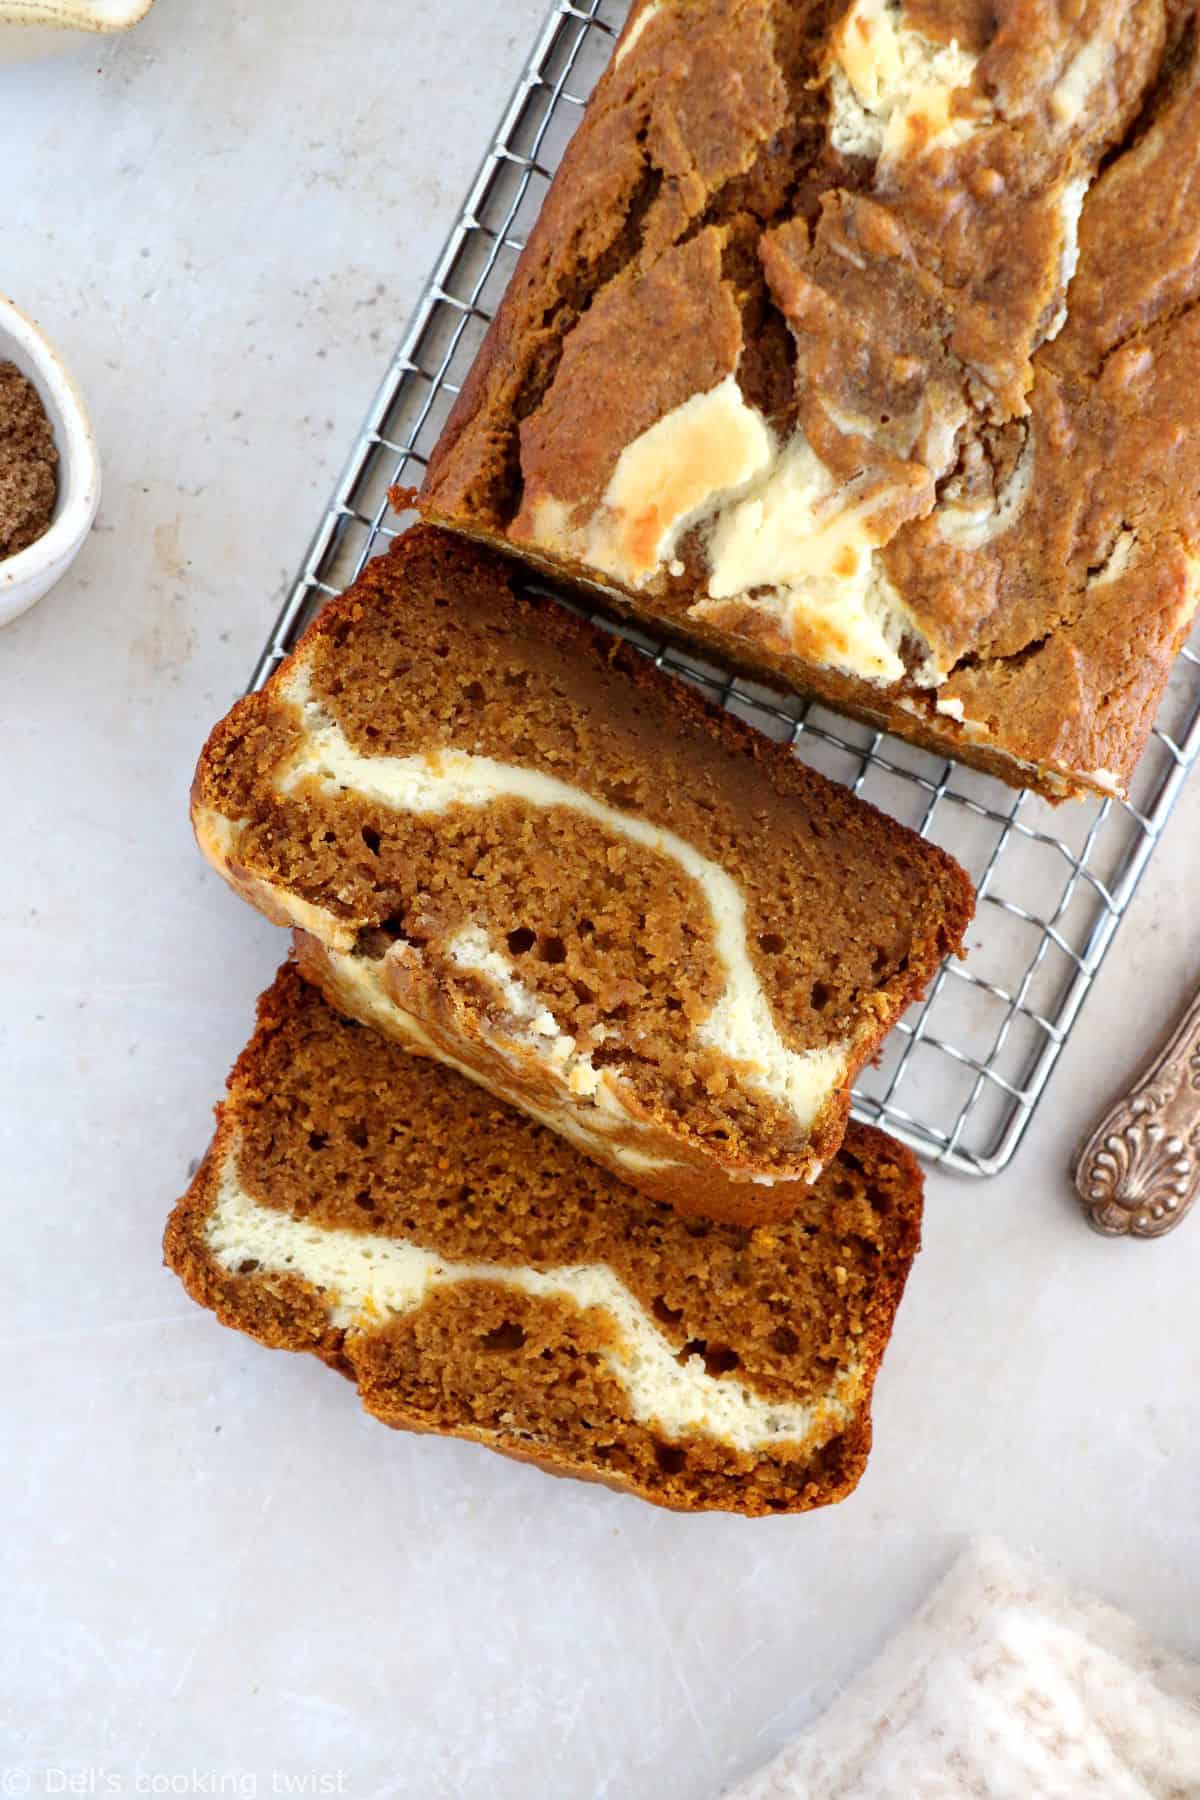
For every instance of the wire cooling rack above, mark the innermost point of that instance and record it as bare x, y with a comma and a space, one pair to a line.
960, 1076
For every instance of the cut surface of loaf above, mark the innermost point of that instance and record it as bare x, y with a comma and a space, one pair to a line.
853, 343
512, 844
476, 1276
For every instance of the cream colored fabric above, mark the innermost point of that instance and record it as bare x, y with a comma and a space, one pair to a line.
1004, 1687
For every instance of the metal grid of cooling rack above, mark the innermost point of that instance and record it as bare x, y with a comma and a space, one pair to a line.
960, 1076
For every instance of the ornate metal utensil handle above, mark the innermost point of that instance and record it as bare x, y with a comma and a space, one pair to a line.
1139, 1172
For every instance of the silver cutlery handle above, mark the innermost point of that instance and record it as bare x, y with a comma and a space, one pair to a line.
1139, 1172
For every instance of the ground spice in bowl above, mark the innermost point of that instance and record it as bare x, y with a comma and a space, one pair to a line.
28, 463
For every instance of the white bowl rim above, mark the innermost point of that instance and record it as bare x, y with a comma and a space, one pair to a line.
78, 459
72, 15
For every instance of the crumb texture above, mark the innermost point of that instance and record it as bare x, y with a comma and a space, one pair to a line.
852, 342
618, 907
350, 1186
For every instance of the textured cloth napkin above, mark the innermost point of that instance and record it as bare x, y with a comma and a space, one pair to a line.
1006, 1687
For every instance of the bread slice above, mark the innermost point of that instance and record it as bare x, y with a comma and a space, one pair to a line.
512, 844
476, 1276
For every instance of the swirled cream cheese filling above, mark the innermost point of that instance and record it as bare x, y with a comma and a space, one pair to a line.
644, 18
891, 88
363, 992
740, 1026
368, 1279
781, 536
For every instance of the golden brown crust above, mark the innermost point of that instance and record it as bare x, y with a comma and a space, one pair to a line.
309, 1126
1057, 636
846, 914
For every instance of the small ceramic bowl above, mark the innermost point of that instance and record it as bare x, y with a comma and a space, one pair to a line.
33, 571
31, 28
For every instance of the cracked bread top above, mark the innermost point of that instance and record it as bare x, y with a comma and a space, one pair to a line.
853, 338
514, 844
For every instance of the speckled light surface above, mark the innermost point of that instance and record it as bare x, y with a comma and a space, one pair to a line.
210, 1562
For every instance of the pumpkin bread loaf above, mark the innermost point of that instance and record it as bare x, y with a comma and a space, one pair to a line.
854, 342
